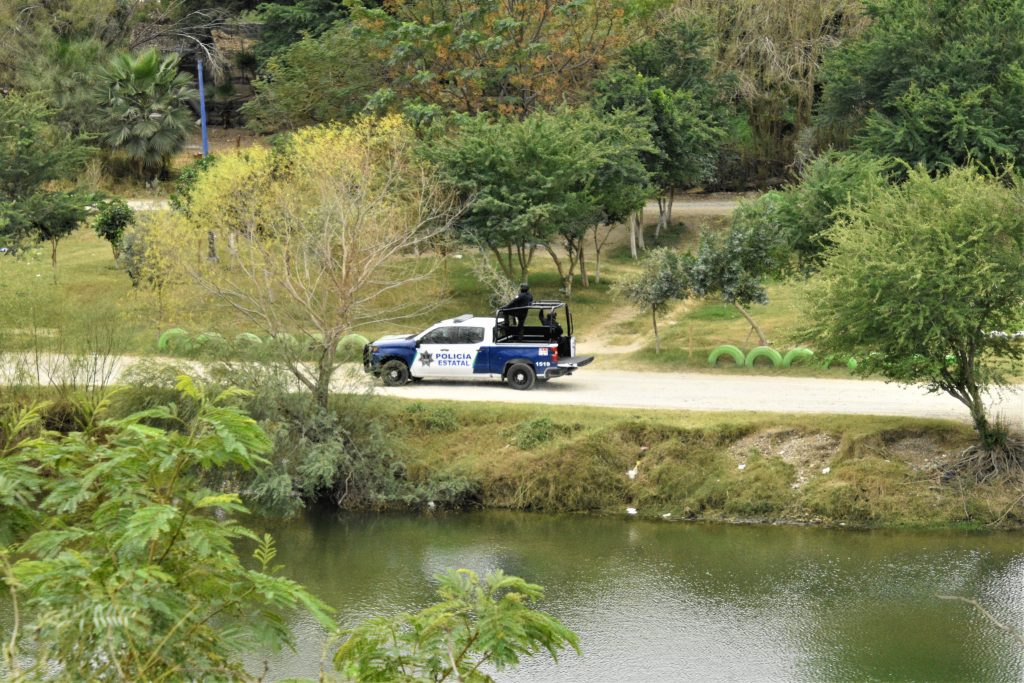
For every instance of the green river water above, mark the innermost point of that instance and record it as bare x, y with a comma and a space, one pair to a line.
656, 601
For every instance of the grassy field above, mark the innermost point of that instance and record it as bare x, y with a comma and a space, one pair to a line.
852, 470
88, 301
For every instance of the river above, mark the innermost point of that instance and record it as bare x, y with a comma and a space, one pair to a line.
656, 601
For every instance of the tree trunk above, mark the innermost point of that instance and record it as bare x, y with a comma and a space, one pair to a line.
671, 201
753, 325
654, 321
53, 258
597, 256
632, 236
584, 279
662, 211
506, 268
212, 250
640, 230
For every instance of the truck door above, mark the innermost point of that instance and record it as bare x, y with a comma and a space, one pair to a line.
448, 351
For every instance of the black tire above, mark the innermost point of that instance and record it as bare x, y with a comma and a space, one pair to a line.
521, 376
394, 373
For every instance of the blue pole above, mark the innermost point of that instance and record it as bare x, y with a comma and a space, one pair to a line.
202, 109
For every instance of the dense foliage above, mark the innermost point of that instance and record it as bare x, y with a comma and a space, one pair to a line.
543, 180
924, 282
932, 82
124, 565
487, 622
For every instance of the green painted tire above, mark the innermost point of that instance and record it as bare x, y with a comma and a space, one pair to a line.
207, 338
247, 339
169, 336
351, 343
764, 351
795, 355
727, 350
283, 340
852, 363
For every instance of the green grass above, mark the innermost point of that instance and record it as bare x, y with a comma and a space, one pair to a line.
883, 471
93, 303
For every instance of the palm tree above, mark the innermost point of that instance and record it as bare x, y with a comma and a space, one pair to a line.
145, 113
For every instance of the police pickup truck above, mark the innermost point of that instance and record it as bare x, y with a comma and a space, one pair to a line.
472, 347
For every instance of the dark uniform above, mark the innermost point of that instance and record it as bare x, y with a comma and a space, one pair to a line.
517, 309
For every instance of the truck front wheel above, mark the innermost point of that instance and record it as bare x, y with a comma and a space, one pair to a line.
521, 376
394, 373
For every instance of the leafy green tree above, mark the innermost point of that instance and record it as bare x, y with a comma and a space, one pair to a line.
112, 220
285, 23
735, 266
936, 83
33, 152
668, 78
684, 136
130, 569
543, 180
828, 185
923, 283
145, 113
489, 622
52, 216
319, 79
661, 280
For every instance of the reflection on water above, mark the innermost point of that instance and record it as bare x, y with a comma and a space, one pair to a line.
668, 602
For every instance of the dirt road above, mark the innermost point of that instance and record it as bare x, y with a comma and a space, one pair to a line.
595, 387
719, 392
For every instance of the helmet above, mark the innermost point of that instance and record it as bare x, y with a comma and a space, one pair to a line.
524, 287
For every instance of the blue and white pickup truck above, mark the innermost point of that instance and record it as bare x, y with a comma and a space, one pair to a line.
474, 347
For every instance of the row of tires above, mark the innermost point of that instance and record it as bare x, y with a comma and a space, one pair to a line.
178, 341
776, 359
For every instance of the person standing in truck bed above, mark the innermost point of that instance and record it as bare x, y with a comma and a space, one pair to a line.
517, 308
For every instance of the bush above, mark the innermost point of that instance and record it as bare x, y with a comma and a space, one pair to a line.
113, 219
532, 433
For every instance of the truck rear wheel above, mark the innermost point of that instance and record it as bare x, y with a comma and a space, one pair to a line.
521, 376
394, 373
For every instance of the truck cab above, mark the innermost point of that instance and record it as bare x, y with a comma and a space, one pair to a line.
477, 347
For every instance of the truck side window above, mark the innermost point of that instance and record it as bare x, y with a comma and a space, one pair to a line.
471, 335
442, 335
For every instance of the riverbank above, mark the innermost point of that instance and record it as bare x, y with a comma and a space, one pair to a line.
855, 471
842, 470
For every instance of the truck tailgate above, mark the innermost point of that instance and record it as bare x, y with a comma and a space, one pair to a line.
575, 361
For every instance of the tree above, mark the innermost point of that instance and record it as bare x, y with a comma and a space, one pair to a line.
667, 78
33, 152
285, 23
489, 622
773, 53
933, 83
662, 279
52, 216
828, 185
543, 181
317, 236
125, 565
736, 265
145, 113
112, 220
497, 57
684, 136
923, 283
319, 79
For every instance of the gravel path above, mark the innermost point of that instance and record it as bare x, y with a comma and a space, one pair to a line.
719, 392
608, 388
